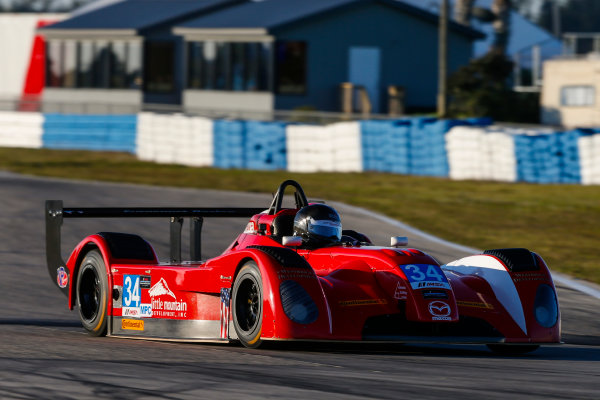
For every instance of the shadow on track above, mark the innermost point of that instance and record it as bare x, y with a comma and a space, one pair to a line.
39, 322
551, 352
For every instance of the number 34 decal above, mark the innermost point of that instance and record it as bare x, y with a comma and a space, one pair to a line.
131, 291
425, 276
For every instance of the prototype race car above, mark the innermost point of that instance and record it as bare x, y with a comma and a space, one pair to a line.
294, 274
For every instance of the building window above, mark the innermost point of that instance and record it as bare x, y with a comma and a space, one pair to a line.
54, 63
159, 59
237, 66
134, 65
291, 67
85, 61
221, 66
118, 65
101, 65
69, 64
93, 64
196, 67
577, 96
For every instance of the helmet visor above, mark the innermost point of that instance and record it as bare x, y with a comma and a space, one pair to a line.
325, 229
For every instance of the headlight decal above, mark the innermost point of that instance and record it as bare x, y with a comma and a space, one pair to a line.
545, 307
297, 303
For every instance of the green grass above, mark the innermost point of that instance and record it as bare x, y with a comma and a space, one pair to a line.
561, 222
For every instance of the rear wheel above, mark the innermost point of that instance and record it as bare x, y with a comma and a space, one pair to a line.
92, 294
512, 349
247, 300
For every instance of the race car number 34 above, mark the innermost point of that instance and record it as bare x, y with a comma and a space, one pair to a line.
131, 291
425, 276
131, 296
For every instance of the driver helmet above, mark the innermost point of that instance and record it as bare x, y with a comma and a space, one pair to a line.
318, 225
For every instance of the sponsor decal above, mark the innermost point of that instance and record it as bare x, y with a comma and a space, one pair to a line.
250, 228
131, 311
132, 296
439, 310
529, 276
62, 278
294, 273
132, 324
425, 276
475, 304
400, 293
225, 278
225, 312
146, 310
161, 289
165, 307
365, 302
145, 282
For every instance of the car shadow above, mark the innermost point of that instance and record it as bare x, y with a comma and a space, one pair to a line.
550, 352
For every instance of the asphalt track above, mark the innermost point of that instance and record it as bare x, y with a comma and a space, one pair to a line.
44, 353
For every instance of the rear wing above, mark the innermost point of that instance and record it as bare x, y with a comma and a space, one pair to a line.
55, 213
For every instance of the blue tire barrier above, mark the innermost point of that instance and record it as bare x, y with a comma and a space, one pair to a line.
90, 132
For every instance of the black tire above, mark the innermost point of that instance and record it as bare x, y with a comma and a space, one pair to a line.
517, 260
92, 294
247, 305
512, 349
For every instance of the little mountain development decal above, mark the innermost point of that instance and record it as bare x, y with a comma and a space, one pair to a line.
164, 308
161, 288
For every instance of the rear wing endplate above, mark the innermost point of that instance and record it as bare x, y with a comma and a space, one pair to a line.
55, 213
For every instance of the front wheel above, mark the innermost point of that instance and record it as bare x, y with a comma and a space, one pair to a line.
512, 349
92, 294
247, 302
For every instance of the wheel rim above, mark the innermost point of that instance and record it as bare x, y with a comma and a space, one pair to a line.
248, 305
89, 293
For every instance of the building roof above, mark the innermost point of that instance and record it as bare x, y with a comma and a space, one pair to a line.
524, 33
270, 14
138, 15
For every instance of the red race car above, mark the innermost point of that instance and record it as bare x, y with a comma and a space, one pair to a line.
294, 274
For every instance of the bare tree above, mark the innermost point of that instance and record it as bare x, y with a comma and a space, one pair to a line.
463, 11
501, 24
498, 16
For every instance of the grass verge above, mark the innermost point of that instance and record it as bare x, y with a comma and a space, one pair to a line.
561, 222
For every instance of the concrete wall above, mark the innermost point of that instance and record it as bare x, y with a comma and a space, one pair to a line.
219, 100
92, 101
570, 72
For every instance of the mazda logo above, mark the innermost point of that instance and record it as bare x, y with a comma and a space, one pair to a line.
439, 309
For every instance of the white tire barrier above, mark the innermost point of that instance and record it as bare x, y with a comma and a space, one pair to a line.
418, 146
21, 129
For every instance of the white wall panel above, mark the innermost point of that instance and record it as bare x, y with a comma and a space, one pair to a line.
17, 32
309, 148
175, 139
347, 146
589, 159
21, 129
481, 154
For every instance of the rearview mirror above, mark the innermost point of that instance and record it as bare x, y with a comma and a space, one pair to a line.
399, 241
291, 241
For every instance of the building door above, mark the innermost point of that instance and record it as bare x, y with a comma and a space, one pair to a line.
364, 69
159, 73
